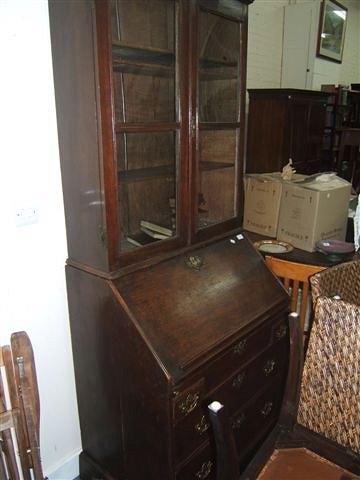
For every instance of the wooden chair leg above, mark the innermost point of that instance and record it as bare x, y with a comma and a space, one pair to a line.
227, 461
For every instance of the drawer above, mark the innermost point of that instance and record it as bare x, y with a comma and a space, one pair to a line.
188, 400
244, 350
201, 467
191, 432
251, 423
245, 383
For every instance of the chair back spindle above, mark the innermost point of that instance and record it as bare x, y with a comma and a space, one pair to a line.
19, 410
295, 278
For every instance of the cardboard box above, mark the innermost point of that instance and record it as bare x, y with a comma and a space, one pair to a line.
262, 201
314, 209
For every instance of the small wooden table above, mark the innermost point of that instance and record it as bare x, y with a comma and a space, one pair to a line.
301, 256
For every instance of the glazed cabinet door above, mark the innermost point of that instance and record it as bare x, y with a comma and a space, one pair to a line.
219, 49
141, 111
150, 102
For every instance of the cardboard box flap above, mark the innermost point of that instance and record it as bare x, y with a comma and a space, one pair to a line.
323, 182
273, 176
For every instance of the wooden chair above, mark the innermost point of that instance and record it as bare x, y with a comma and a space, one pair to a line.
295, 278
19, 410
318, 433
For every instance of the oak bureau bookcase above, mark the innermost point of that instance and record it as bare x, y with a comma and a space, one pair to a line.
170, 306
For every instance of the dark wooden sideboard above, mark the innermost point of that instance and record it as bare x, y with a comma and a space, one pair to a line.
284, 124
170, 307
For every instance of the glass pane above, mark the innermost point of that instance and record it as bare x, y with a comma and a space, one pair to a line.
143, 49
217, 175
219, 41
147, 187
140, 98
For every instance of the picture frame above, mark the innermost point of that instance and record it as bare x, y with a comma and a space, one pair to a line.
332, 28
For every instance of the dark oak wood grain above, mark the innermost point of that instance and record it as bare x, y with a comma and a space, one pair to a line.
76, 92
160, 122
156, 345
284, 124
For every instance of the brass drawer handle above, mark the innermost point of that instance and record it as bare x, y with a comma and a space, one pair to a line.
280, 332
238, 380
204, 471
240, 347
190, 403
269, 367
266, 409
236, 424
202, 426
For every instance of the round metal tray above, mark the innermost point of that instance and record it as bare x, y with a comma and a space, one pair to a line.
273, 246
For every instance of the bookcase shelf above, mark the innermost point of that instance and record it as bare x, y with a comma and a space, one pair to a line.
126, 52
152, 61
151, 173
142, 61
207, 166
215, 69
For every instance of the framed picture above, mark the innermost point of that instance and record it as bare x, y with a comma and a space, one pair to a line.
332, 28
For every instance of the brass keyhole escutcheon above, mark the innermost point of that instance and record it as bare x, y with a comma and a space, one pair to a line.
194, 261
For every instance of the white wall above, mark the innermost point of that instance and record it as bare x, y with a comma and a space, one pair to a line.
350, 67
347, 72
32, 257
265, 44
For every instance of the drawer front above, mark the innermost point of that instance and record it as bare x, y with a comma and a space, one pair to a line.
191, 432
251, 422
188, 400
201, 467
195, 429
243, 351
249, 380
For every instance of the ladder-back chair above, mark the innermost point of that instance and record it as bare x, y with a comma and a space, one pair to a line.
295, 278
19, 411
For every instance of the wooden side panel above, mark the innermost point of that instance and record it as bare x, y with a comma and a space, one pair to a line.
266, 134
122, 392
146, 405
97, 372
283, 124
76, 89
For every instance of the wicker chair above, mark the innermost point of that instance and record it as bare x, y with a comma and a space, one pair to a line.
318, 433
342, 281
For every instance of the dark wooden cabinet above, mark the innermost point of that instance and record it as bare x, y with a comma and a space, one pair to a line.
154, 347
170, 305
150, 97
284, 124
